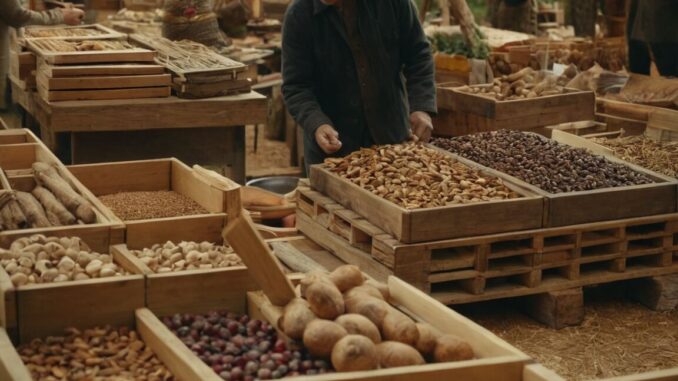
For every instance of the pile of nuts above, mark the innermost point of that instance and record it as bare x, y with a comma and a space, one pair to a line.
525, 83
95, 354
239, 348
130, 206
542, 162
414, 176
40, 259
661, 157
168, 257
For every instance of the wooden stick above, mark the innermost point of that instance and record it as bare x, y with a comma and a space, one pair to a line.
294, 258
242, 236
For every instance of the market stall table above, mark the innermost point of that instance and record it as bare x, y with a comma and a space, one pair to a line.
207, 131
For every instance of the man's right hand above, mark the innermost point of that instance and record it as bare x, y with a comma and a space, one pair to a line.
72, 16
328, 139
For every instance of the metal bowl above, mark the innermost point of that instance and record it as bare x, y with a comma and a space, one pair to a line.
276, 184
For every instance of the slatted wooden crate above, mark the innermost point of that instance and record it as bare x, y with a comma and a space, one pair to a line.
497, 266
69, 33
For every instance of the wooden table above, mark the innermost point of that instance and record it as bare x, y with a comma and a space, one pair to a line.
210, 132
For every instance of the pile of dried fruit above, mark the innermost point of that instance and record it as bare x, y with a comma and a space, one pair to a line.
40, 259
661, 157
414, 176
542, 162
525, 83
240, 348
95, 354
187, 256
131, 206
349, 320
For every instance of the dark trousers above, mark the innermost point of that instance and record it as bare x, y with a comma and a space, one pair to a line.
665, 57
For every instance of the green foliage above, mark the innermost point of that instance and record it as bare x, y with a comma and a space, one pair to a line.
455, 44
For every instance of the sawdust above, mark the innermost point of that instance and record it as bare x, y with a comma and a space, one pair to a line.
618, 337
269, 154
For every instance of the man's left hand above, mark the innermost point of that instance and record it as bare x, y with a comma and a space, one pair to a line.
422, 126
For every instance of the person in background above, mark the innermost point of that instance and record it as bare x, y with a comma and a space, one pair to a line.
653, 28
12, 14
516, 15
356, 73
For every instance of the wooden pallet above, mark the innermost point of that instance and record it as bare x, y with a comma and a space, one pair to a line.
497, 266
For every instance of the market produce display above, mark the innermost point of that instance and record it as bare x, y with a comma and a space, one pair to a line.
101, 353
62, 46
40, 259
525, 83
239, 348
414, 176
359, 329
148, 205
542, 162
661, 157
62, 32
170, 257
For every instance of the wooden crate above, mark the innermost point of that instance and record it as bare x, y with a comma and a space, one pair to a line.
22, 66
496, 266
428, 224
157, 175
90, 32
134, 54
480, 114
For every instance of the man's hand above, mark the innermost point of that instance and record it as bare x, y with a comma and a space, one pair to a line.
328, 139
422, 126
72, 16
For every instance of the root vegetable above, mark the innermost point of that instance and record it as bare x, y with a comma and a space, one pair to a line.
398, 327
33, 210
519, 74
312, 277
394, 354
320, 337
427, 341
53, 206
325, 300
382, 287
49, 178
362, 291
13, 217
359, 325
296, 316
354, 353
452, 348
372, 308
346, 277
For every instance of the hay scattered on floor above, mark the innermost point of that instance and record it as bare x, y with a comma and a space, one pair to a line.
269, 154
617, 338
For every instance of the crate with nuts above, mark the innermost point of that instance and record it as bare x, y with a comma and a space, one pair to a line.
61, 52
69, 33
419, 194
472, 269
579, 187
67, 280
149, 196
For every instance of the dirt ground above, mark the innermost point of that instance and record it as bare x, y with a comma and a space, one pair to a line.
270, 153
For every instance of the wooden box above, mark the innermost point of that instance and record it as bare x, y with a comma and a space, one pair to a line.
480, 114
430, 224
131, 54
22, 66
158, 175
70, 33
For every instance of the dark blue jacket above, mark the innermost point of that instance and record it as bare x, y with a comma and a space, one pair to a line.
320, 82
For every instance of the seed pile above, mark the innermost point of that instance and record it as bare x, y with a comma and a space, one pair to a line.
542, 162
660, 157
239, 348
168, 257
147, 205
94, 354
40, 259
414, 176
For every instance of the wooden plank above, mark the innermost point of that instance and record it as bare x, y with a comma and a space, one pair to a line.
73, 95
294, 258
101, 70
132, 55
577, 141
109, 82
102, 32
557, 309
199, 228
8, 318
184, 181
11, 366
536, 372
17, 156
127, 176
12, 136
659, 375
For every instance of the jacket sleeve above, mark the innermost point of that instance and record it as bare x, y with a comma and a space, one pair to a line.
417, 61
297, 71
14, 15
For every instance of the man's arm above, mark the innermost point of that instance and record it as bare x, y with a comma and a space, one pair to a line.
14, 15
417, 62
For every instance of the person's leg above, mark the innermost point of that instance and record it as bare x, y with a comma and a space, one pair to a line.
639, 57
666, 58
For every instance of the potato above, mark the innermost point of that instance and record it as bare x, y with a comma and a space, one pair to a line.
359, 325
296, 316
363, 290
321, 335
354, 353
346, 277
312, 277
382, 287
399, 327
325, 300
427, 341
372, 308
393, 354
452, 348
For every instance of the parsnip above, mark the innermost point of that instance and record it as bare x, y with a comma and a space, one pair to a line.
33, 210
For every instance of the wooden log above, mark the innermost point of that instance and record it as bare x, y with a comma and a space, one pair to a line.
557, 309
657, 293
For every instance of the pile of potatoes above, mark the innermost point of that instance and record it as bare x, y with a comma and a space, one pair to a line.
343, 317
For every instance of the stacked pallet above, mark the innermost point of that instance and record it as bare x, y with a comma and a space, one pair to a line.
198, 71
97, 70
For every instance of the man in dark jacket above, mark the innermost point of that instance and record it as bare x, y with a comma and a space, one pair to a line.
652, 27
356, 73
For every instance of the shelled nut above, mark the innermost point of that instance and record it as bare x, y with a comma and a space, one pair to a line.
94, 354
414, 176
660, 157
542, 162
40, 259
169, 256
